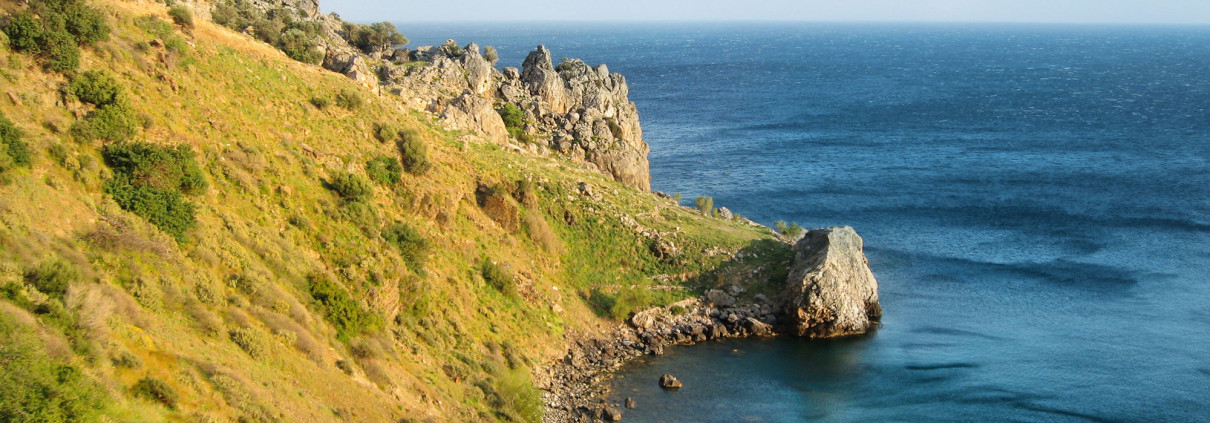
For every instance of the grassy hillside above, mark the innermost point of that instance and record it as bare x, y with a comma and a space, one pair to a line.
257, 248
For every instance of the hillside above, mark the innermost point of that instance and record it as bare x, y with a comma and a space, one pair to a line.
209, 230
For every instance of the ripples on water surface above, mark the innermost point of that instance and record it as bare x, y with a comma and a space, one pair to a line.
1035, 202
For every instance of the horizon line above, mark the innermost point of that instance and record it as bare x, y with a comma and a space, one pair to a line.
785, 21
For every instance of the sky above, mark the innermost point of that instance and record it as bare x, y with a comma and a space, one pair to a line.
1041, 11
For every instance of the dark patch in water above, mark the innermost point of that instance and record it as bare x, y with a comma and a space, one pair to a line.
915, 345
941, 366
1068, 413
1204, 371
951, 331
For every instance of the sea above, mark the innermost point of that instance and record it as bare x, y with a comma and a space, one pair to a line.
1034, 199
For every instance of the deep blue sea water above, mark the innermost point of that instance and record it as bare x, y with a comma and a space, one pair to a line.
1035, 202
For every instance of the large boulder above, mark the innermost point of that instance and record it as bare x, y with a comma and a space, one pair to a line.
473, 113
830, 291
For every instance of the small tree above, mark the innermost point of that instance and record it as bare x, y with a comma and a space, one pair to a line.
705, 204
491, 54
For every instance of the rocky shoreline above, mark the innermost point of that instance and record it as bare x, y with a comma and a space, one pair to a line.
575, 386
830, 292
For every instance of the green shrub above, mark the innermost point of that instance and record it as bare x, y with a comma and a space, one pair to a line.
321, 102
497, 277
24, 33
181, 15
384, 170
705, 205
86, 23
514, 122
387, 131
300, 46
349, 99
11, 146
415, 154
792, 231
59, 51
154, 26
54, 29
340, 310
350, 186
155, 390
411, 244
35, 387
677, 310
53, 277
115, 123
252, 341
151, 182
96, 88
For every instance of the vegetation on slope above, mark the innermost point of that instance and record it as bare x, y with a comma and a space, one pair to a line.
218, 247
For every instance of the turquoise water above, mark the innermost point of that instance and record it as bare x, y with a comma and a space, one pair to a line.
1035, 202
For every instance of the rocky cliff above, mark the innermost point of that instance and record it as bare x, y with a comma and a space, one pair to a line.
579, 111
830, 291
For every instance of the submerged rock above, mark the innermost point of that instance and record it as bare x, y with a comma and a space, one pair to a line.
667, 381
613, 414
830, 291
630, 403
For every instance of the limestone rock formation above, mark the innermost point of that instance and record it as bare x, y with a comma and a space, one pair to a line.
581, 112
471, 112
539, 77
830, 291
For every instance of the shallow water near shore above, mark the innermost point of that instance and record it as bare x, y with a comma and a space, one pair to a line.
1035, 202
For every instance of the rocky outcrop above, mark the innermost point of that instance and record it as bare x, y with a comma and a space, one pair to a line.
581, 112
830, 291
471, 112
539, 77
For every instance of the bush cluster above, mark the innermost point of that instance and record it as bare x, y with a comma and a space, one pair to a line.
151, 181
181, 15
497, 277
792, 231
415, 153
514, 122
280, 27
384, 170
340, 310
13, 150
113, 119
52, 277
35, 387
54, 30
374, 38
155, 390
411, 244
351, 187
349, 99
705, 205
